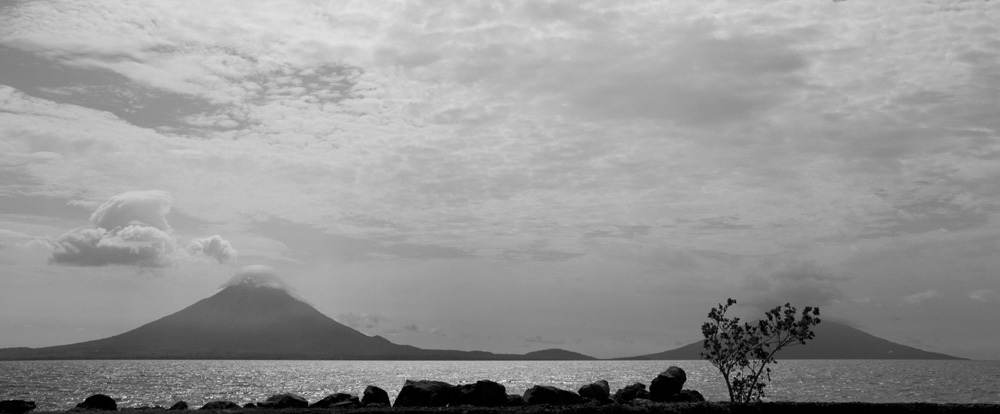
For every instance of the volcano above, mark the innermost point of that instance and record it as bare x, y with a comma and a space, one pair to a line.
833, 341
253, 321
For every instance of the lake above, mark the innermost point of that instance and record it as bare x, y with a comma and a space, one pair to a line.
59, 385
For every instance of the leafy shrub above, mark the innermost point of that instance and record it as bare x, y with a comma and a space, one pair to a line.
742, 352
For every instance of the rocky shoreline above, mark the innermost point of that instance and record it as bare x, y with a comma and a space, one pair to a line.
665, 394
650, 408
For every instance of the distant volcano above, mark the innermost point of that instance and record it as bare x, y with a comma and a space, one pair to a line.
833, 341
253, 321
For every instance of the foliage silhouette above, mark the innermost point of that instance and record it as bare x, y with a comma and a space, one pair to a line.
742, 352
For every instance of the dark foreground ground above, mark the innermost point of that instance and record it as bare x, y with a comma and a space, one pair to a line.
652, 408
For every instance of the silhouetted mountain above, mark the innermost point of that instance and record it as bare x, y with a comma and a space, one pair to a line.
833, 341
246, 321
556, 355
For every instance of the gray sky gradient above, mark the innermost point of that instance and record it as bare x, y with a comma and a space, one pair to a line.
509, 176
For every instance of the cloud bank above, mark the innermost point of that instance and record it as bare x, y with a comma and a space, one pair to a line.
131, 229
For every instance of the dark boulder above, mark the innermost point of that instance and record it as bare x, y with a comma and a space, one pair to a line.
281, 401
16, 406
667, 384
547, 394
631, 392
98, 402
424, 394
514, 400
180, 405
338, 400
597, 391
483, 393
374, 395
219, 405
686, 396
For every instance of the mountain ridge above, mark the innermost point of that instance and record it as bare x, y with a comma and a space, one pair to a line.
252, 321
265, 321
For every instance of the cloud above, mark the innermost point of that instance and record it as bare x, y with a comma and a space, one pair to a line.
11, 234
362, 320
10, 238
922, 297
214, 247
257, 276
147, 208
131, 229
983, 295
137, 245
801, 284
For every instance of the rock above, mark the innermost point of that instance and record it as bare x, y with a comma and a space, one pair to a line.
424, 394
219, 405
668, 383
631, 392
180, 405
514, 400
374, 395
249, 405
338, 400
281, 401
98, 402
16, 406
597, 391
547, 394
483, 393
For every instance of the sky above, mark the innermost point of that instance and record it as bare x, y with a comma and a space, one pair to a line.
505, 176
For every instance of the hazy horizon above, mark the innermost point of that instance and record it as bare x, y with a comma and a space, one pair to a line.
506, 177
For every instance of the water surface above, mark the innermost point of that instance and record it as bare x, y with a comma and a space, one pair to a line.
59, 385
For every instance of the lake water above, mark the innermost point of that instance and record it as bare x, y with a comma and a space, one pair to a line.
59, 385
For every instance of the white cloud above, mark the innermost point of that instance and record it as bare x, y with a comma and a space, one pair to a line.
215, 247
922, 297
143, 208
131, 229
138, 245
257, 276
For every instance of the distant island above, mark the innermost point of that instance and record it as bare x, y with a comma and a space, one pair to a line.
249, 320
833, 341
